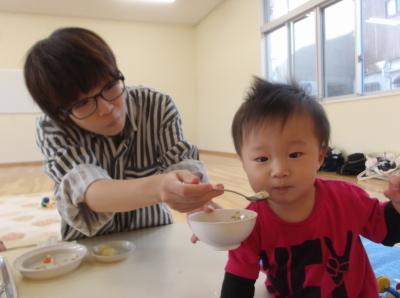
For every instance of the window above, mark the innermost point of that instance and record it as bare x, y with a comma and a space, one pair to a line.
278, 55
278, 8
381, 45
392, 8
339, 49
304, 53
333, 48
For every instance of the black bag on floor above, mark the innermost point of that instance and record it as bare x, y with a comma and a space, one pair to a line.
354, 165
333, 160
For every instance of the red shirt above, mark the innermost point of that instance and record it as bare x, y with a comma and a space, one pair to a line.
321, 256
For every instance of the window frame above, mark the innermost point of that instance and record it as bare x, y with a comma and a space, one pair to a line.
318, 7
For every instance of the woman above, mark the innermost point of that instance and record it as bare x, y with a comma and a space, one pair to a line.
117, 154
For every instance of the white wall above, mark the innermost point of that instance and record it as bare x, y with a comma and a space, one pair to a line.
160, 56
228, 53
368, 125
207, 69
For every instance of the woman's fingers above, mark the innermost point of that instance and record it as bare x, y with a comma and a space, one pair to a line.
393, 190
183, 191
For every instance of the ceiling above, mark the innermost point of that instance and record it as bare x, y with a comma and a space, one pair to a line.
180, 12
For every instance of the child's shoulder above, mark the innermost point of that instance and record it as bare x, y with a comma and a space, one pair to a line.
330, 182
337, 186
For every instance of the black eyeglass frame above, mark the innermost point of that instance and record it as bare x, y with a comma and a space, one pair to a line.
68, 111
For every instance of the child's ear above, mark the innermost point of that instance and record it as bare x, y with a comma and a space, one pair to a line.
321, 155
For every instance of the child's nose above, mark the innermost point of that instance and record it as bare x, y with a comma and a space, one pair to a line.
279, 169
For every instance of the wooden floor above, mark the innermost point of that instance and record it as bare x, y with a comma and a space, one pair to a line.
222, 168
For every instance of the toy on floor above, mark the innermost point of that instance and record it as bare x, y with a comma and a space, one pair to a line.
47, 202
384, 287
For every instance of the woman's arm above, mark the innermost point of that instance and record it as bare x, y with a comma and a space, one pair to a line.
181, 190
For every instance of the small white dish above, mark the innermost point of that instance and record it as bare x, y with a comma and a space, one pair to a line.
50, 261
112, 251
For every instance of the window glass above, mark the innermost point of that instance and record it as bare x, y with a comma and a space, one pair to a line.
391, 9
277, 8
295, 3
334, 48
339, 49
304, 56
381, 46
277, 55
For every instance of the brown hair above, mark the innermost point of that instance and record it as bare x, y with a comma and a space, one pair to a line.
267, 100
71, 61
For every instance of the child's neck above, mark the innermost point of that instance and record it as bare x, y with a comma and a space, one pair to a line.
295, 212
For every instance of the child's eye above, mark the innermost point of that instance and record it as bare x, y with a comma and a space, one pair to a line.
295, 154
261, 159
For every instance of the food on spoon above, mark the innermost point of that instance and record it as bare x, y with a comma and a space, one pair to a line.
262, 194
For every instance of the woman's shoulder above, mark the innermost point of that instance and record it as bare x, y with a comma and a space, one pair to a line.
141, 98
48, 129
44, 122
144, 92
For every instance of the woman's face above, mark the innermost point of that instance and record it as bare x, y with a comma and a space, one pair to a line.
109, 117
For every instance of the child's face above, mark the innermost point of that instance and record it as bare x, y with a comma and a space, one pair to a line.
109, 117
283, 160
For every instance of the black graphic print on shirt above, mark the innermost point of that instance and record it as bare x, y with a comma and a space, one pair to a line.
292, 263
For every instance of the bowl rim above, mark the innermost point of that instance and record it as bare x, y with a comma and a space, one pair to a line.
251, 212
80, 249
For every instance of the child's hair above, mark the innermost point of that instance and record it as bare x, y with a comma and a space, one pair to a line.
71, 61
267, 100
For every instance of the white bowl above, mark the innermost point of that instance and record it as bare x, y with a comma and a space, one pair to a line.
112, 251
65, 258
223, 229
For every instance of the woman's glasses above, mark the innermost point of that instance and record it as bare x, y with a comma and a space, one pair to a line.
85, 107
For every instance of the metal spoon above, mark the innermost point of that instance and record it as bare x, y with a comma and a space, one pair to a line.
260, 196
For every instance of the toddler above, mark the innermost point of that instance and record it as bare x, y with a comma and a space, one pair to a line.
307, 235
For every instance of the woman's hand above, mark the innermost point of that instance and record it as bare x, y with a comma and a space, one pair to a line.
393, 191
183, 192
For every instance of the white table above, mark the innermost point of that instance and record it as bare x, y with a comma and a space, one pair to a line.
165, 264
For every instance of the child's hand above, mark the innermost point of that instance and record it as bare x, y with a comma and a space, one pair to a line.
207, 208
393, 191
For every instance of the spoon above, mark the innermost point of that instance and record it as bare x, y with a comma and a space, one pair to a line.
259, 196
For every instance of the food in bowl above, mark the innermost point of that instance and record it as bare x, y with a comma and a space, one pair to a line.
50, 261
113, 251
105, 250
238, 216
46, 262
223, 229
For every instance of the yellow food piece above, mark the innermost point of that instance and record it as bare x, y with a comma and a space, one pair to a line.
106, 251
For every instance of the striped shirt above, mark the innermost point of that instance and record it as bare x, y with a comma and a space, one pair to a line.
152, 143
